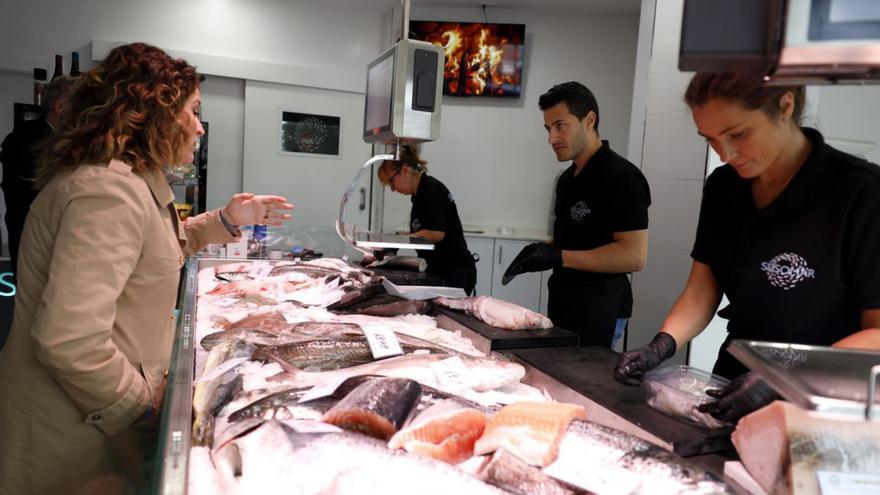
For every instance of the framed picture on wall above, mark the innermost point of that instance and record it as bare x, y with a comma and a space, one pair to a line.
310, 134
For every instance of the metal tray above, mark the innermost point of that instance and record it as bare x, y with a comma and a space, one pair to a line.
823, 379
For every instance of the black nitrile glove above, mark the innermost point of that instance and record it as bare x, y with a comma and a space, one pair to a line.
631, 365
747, 393
535, 257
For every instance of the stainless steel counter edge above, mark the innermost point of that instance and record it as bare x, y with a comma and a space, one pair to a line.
172, 458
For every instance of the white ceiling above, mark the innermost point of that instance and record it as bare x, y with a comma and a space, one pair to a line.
555, 5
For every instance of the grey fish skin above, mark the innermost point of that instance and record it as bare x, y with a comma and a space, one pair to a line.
377, 408
251, 335
645, 459
327, 354
210, 396
310, 270
368, 291
510, 473
271, 406
397, 309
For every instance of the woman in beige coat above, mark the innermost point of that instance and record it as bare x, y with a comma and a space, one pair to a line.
82, 375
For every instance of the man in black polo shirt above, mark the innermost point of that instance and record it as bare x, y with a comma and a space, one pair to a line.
600, 233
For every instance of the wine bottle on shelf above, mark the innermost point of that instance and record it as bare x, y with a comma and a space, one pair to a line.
74, 64
58, 70
39, 85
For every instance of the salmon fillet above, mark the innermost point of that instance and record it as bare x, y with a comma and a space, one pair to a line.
445, 431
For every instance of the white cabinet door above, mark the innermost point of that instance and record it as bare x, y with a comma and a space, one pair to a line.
525, 289
484, 248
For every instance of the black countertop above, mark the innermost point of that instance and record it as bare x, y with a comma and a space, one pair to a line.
588, 371
500, 339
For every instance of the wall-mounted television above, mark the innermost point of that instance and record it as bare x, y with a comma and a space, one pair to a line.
482, 59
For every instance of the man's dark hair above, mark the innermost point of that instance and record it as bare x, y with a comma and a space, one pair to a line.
577, 97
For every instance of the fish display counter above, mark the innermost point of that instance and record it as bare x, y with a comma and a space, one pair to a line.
306, 377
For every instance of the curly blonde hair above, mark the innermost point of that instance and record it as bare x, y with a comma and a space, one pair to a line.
126, 109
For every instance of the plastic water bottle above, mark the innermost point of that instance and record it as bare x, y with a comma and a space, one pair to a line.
260, 234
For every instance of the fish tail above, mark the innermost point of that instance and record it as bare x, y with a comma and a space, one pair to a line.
203, 431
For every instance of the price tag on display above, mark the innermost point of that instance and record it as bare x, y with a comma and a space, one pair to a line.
259, 269
225, 302
840, 483
222, 368
292, 318
594, 477
451, 373
325, 389
382, 341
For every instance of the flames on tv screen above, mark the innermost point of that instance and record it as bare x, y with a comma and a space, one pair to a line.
481, 59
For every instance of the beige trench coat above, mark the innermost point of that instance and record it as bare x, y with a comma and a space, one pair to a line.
92, 333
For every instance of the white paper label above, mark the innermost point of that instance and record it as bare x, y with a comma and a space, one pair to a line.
222, 368
322, 390
294, 318
451, 373
312, 427
225, 302
596, 477
259, 269
839, 483
382, 341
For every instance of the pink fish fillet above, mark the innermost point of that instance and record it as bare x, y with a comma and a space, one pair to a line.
529, 430
783, 446
445, 431
497, 313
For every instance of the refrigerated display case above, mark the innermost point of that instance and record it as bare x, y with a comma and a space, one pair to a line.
172, 472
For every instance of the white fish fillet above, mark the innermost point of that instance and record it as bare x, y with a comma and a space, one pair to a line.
783, 446
497, 313
529, 430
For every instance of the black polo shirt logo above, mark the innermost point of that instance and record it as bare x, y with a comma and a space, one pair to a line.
787, 270
579, 211
415, 225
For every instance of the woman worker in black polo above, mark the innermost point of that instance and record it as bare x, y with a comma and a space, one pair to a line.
433, 217
789, 231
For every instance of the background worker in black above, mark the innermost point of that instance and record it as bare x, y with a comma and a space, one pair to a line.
600, 232
433, 217
19, 153
788, 231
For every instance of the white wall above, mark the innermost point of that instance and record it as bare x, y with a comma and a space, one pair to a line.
673, 161
493, 154
322, 45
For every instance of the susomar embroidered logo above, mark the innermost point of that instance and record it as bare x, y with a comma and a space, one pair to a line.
787, 270
579, 211
415, 225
